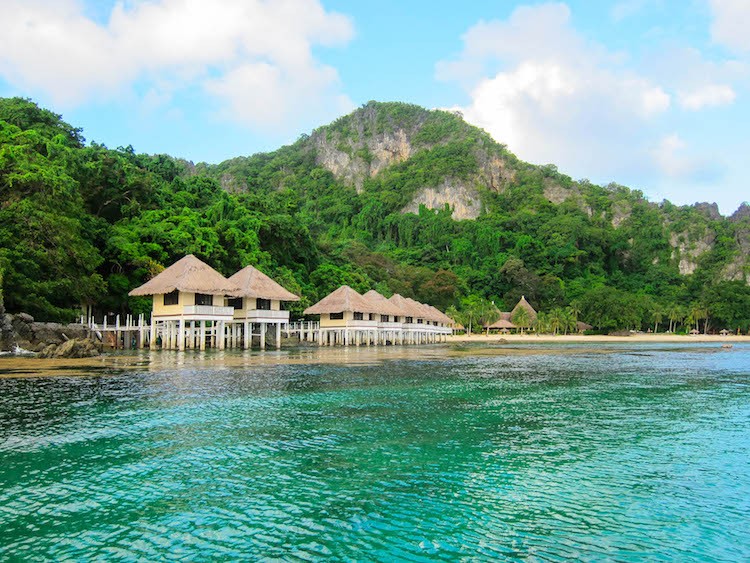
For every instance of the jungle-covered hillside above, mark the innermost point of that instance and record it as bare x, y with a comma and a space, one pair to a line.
392, 197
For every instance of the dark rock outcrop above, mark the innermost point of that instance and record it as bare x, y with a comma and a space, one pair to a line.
75, 348
21, 331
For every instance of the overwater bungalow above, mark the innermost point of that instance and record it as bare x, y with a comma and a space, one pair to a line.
346, 317
257, 303
194, 306
188, 305
390, 319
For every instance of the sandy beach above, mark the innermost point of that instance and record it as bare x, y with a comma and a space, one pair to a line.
640, 337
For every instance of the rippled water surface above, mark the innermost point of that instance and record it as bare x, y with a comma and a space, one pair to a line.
626, 453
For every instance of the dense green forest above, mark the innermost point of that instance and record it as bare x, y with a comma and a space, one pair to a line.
83, 224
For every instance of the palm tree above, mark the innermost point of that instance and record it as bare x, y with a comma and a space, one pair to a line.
456, 315
567, 321
674, 313
555, 319
541, 323
521, 318
657, 315
490, 314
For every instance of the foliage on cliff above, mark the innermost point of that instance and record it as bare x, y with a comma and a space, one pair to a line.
84, 224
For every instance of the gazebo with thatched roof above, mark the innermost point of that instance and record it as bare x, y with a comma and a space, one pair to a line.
188, 291
258, 301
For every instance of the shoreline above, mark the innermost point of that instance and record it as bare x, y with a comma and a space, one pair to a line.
112, 362
598, 338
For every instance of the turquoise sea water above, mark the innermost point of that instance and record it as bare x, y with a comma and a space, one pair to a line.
618, 452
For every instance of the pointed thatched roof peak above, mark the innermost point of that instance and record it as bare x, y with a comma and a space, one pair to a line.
522, 303
254, 283
343, 299
188, 274
385, 307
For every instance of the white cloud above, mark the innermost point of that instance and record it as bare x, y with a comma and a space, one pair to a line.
674, 161
729, 27
254, 55
710, 95
554, 96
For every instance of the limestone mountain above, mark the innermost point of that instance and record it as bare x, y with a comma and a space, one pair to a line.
408, 157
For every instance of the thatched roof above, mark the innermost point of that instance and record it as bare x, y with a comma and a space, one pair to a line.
424, 311
405, 308
343, 299
526, 305
502, 324
190, 275
581, 326
384, 306
441, 317
254, 283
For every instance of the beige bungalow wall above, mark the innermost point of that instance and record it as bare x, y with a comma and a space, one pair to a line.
184, 300
327, 322
248, 304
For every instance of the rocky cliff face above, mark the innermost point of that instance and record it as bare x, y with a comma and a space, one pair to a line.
464, 200
367, 147
352, 161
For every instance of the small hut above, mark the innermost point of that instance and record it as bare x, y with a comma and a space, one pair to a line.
724, 332
583, 327
258, 302
188, 292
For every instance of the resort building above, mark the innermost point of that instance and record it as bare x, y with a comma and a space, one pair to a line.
194, 306
257, 304
188, 305
348, 318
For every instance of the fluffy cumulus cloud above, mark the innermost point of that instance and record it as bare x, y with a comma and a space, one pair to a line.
254, 56
539, 86
553, 96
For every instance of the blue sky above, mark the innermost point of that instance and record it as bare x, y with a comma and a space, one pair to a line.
648, 93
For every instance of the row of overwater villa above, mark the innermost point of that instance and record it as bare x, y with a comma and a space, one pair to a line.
195, 307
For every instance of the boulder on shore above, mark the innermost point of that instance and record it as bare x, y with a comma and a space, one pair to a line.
75, 348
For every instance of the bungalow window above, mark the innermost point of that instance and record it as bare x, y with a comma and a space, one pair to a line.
263, 304
359, 317
409, 320
371, 316
172, 298
385, 319
420, 321
235, 302
337, 316
204, 299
